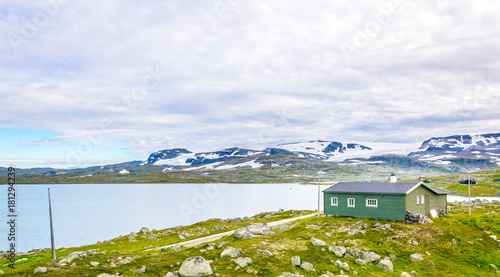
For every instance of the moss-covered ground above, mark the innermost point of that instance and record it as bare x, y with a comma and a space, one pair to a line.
456, 245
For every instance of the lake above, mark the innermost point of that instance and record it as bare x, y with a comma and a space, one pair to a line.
85, 214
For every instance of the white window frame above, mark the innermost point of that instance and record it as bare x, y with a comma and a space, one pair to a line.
422, 199
373, 205
418, 199
334, 201
349, 200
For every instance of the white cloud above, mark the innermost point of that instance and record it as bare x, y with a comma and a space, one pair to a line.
222, 82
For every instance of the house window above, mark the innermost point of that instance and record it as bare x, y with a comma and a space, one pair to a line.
420, 199
335, 201
372, 203
351, 202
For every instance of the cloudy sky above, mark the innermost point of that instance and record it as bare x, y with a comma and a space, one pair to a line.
95, 82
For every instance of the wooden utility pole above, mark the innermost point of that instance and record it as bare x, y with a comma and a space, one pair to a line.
469, 196
51, 230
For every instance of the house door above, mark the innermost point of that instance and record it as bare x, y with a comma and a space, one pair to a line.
427, 212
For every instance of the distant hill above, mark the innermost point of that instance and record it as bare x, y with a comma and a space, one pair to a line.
463, 153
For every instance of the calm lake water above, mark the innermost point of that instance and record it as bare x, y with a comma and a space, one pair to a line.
85, 214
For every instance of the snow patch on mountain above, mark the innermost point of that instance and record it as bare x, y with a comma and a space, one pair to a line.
177, 161
323, 150
220, 166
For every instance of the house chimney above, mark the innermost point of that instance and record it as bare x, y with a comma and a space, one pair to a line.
393, 178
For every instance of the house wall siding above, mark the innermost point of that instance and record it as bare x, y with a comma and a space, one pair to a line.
411, 200
434, 201
390, 207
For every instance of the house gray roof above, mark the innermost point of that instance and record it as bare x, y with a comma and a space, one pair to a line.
380, 187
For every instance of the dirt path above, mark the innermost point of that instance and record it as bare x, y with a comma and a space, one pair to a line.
194, 242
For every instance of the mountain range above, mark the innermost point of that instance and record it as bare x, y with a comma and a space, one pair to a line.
460, 153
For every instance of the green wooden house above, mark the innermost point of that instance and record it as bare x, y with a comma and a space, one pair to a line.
383, 200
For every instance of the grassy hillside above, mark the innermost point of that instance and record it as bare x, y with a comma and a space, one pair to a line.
487, 182
457, 245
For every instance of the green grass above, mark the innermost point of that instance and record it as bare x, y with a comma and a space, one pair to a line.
485, 183
459, 245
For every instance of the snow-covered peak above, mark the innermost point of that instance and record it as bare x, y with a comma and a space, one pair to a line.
322, 150
465, 142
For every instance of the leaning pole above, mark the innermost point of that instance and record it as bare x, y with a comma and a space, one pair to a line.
51, 229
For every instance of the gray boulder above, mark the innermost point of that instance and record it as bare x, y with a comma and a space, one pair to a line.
252, 231
345, 266
371, 257
242, 262
230, 252
141, 270
40, 270
71, 256
219, 228
195, 267
415, 258
295, 261
361, 262
338, 250
307, 266
267, 253
144, 230
127, 260
386, 265
318, 242
405, 274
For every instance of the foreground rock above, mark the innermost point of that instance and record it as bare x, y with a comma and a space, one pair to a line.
338, 250
415, 258
40, 270
195, 267
386, 265
295, 260
230, 252
317, 242
242, 262
253, 231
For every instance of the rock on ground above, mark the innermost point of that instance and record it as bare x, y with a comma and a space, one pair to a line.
252, 231
415, 258
230, 252
360, 262
307, 266
338, 250
371, 257
405, 274
40, 270
386, 265
267, 253
242, 262
144, 230
141, 270
318, 242
195, 267
295, 260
